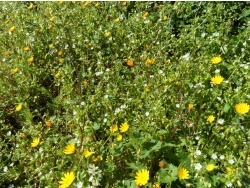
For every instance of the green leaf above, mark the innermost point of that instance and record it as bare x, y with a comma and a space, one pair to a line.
245, 13
226, 108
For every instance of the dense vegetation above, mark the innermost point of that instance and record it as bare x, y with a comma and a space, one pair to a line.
124, 94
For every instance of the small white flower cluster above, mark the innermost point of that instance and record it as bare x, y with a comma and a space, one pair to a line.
95, 175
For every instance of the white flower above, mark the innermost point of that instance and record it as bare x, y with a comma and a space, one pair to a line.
203, 34
106, 96
229, 184
74, 113
220, 121
8, 133
123, 106
197, 138
177, 105
217, 71
186, 57
222, 157
98, 73
105, 120
231, 161
197, 152
160, 71
82, 103
5, 169
197, 166
147, 114
12, 164
79, 185
216, 34
204, 156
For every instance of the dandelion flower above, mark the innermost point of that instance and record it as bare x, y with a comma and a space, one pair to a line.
210, 167
165, 18
216, 60
19, 107
31, 6
67, 180
242, 108
229, 171
87, 153
107, 34
183, 173
124, 127
130, 63
30, 60
145, 15
142, 177
190, 106
157, 185
6, 53
35, 142
113, 128
52, 19
48, 123
61, 60
26, 48
116, 20
210, 118
119, 137
216, 80
58, 75
98, 158
14, 71
124, 3
70, 149
12, 29
59, 53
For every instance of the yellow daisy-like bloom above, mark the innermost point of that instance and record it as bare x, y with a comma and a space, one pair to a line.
210, 118
70, 149
145, 15
124, 3
107, 34
61, 60
85, 83
116, 20
98, 158
113, 128
31, 6
216, 80
183, 174
14, 71
157, 185
87, 153
19, 107
67, 180
58, 75
242, 108
12, 29
30, 60
190, 106
119, 137
48, 123
6, 53
130, 63
124, 127
59, 53
26, 48
210, 167
142, 177
52, 19
165, 18
35, 142
216, 60
229, 171
97, 4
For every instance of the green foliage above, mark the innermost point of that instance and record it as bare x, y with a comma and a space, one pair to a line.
75, 72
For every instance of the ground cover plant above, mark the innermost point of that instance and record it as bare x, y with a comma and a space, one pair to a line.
124, 94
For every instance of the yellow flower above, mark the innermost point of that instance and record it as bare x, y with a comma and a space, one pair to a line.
48, 123
107, 34
113, 128
242, 108
162, 164
59, 53
217, 80
210, 118
97, 4
19, 107
190, 106
14, 71
67, 180
26, 48
216, 60
58, 75
6, 53
87, 153
124, 127
52, 19
124, 3
12, 29
142, 177
157, 185
119, 137
147, 89
51, 46
145, 15
22, 135
35, 142
70, 149
183, 174
85, 83
31, 6
116, 20
210, 167
60, 2
49, 27
61, 60
150, 61
165, 18
30, 60
130, 63
229, 171
98, 158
